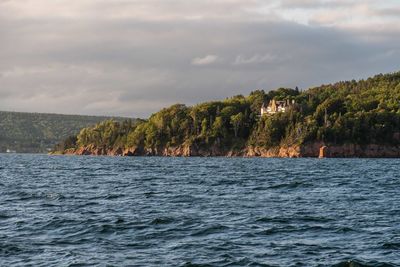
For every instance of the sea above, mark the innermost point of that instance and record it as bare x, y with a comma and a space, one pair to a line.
160, 211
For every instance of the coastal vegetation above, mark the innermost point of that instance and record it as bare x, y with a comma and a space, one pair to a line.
38, 132
348, 112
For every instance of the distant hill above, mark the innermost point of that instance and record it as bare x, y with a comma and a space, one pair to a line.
38, 132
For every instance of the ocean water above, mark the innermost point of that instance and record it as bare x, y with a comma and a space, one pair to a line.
138, 211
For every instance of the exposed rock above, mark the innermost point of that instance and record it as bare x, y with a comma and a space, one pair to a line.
362, 151
295, 151
323, 152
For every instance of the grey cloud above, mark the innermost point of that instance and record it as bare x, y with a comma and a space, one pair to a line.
312, 4
206, 60
133, 66
387, 12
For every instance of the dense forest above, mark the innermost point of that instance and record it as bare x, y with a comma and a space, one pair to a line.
37, 133
356, 112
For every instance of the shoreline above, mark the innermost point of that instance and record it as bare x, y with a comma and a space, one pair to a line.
312, 150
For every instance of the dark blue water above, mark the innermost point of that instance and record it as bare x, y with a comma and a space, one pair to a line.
104, 211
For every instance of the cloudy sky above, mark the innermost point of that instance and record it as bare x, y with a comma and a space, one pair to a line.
133, 57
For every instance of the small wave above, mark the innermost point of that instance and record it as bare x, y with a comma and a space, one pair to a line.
391, 245
4, 216
357, 263
87, 204
210, 230
24, 196
119, 221
106, 229
189, 222
229, 260
185, 246
114, 196
240, 262
55, 223
276, 230
345, 230
162, 220
9, 249
259, 188
291, 185
185, 198
190, 264
313, 219
273, 219
276, 219
54, 196
117, 225
149, 194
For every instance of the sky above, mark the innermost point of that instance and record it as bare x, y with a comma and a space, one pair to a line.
134, 57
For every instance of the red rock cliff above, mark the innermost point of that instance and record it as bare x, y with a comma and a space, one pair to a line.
295, 151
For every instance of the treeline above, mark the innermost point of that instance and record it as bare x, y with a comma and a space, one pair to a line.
38, 132
359, 112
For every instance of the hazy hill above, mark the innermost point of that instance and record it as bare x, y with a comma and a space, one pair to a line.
37, 132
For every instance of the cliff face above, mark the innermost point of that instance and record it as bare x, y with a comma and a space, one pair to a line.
366, 151
321, 150
295, 151
177, 151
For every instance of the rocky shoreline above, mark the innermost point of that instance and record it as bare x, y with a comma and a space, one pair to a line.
313, 150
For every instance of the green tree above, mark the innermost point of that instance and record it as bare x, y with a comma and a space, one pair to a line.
237, 121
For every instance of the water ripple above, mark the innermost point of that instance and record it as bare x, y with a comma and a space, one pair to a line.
103, 211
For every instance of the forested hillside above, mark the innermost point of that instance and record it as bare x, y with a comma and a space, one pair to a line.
36, 132
357, 112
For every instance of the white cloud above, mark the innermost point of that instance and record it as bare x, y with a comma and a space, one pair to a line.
257, 59
341, 13
207, 60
